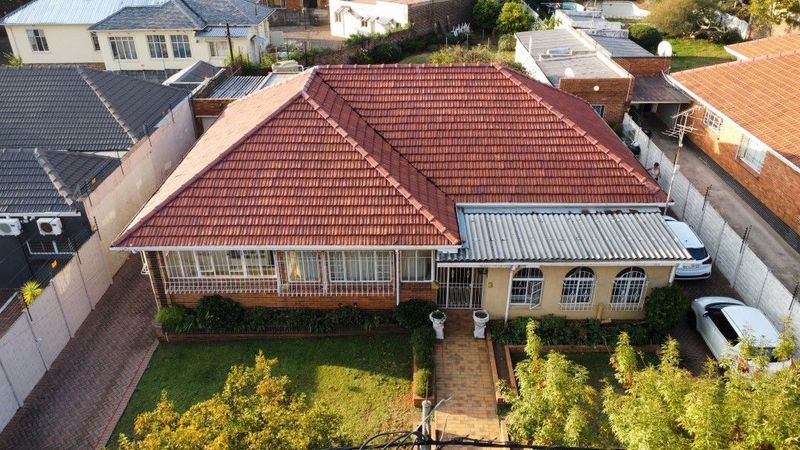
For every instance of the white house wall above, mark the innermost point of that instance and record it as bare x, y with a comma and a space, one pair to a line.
351, 25
522, 56
68, 44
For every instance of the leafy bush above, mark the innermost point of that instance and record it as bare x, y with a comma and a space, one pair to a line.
417, 44
485, 13
645, 35
386, 53
423, 382
361, 56
414, 313
726, 37
360, 39
664, 308
215, 312
557, 330
513, 18
507, 43
423, 340
175, 317
243, 61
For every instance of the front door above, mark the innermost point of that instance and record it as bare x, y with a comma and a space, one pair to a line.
460, 287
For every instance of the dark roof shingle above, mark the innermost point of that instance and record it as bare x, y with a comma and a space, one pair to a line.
186, 15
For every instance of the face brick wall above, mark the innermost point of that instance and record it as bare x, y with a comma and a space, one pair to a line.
612, 93
770, 186
644, 65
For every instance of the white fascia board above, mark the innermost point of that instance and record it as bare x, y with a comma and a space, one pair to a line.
624, 262
552, 207
738, 127
736, 54
451, 248
42, 214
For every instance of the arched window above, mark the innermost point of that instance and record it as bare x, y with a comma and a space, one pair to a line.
578, 289
526, 287
629, 287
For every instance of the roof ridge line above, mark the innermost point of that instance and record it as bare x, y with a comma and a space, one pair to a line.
183, 7
51, 173
581, 132
125, 127
372, 161
130, 229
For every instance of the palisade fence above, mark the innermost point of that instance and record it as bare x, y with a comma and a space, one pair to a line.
751, 278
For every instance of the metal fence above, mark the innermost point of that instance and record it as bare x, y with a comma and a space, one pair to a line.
748, 275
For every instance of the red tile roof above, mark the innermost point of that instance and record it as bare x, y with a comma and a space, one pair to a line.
761, 95
379, 155
767, 46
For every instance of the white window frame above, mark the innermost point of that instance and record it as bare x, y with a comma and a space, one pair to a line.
752, 153
305, 259
531, 281
213, 50
237, 267
337, 17
157, 41
599, 109
381, 270
577, 290
712, 121
95, 41
38, 40
418, 257
629, 287
181, 47
123, 48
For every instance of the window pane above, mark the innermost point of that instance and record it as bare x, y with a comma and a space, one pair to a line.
158, 46
172, 260
267, 263
95, 41
122, 47
189, 267
416, 265
205, 263
302, 266
180, 46
38, 40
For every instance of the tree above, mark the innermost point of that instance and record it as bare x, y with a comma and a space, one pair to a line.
253, 410
513, 18
764, 14
551, 23
683, 17
555, 405
485, 13
645, 35
29, 291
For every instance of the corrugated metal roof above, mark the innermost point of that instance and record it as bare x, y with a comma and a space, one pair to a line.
238, 86
536, 236
71, 11
621, 47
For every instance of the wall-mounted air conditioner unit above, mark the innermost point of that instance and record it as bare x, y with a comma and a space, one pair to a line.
49, 226
10, 227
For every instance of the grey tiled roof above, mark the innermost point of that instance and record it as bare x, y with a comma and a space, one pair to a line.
70, 11
78, 109
47, 181
186, 15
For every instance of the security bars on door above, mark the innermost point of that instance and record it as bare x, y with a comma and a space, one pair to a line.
460, 287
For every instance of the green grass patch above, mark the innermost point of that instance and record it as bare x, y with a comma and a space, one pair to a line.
419, 58
690, 53
367, 380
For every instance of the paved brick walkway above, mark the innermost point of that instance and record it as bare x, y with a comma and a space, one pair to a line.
463, 373
73, 404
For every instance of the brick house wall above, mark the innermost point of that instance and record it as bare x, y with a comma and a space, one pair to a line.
613, 94
770, 186
646, 65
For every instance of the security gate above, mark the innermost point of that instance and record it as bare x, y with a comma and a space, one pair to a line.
460, 287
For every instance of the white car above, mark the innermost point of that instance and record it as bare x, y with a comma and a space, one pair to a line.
723, 321
700, 269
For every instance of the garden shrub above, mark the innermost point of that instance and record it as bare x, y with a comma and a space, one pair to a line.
726, 37
557, 330
175, 317
507, 43
361, 56
215, 312
386, 53
423, 382
414, 313
664, 308
423, 340
645, 35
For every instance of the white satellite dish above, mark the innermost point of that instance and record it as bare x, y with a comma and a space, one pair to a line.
569, 73
664, 49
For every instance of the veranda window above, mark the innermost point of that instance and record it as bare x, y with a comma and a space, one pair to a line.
214, 264
629, 287
526, 287
302, 266
578, 289
417, 265
359, 266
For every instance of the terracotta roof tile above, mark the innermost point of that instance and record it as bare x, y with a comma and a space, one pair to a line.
767, 46
379, 155
761, 95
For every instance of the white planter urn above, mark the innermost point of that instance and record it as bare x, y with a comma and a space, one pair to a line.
437, 319
481, 318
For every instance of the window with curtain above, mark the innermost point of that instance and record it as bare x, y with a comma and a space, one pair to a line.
225, 263
526, 287
180, 46
416, 265
629, 286
578, 287
365, 265
301, 266
157, 44
122, 47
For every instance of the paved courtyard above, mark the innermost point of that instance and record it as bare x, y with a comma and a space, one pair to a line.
76, 404
463, 374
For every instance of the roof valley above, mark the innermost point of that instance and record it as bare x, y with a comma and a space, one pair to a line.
85, 76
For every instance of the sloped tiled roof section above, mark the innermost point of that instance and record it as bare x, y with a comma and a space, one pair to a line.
187, 15
761, 95
44, 181
79, 109
68, 12
379, 155
768, 46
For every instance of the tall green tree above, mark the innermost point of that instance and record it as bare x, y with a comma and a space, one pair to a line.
513, 18
253, 410
485, 13
765, 14
683, 17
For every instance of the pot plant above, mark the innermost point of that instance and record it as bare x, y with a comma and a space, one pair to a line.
480, 318
437, 319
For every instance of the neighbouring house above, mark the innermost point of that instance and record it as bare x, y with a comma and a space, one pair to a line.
589, 19
350, 17
611, 73
746, 118
473, 186
62, 131
762, 47
173, 35
57, 31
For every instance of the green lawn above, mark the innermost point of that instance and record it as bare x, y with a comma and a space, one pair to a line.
419, 58
692, 53
367, 380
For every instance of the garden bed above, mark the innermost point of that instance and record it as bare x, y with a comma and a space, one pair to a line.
366, 381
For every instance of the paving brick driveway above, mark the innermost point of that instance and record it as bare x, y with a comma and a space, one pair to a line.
76, 401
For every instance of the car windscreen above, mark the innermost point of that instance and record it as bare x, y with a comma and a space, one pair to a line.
698, 254
722, 324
